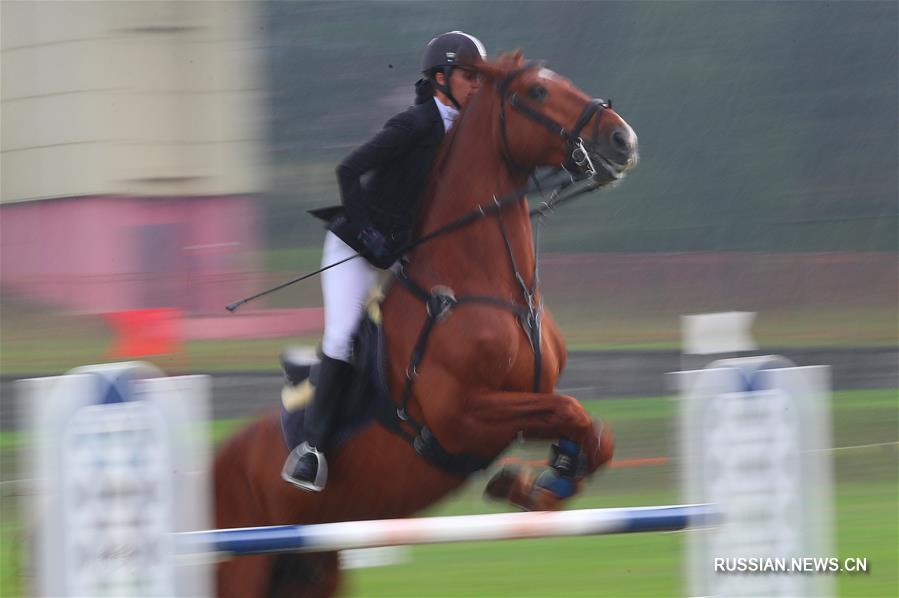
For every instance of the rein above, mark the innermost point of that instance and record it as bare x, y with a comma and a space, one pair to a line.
582, 186
476, 214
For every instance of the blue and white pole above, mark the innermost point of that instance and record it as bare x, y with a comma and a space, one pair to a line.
433, 530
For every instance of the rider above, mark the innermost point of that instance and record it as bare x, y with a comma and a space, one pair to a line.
377, 219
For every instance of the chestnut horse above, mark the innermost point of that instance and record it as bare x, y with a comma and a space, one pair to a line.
474, 388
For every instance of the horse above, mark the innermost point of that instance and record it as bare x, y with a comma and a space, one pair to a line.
486, 371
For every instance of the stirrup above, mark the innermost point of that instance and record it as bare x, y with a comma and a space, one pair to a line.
288, 472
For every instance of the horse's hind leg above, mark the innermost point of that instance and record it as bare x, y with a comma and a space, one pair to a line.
307, 575
236, 506
279, 576
244, 577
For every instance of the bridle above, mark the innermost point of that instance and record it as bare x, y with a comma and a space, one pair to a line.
577, 155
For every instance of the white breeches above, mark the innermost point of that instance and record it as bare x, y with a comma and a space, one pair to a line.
345, 289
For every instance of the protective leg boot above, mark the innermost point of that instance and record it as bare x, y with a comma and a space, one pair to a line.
306, 466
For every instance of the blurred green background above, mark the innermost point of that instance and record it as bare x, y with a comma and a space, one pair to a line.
764, 126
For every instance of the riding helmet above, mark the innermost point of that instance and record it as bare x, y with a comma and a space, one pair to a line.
451, 49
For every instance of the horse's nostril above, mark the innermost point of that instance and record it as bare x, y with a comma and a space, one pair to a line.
620, 141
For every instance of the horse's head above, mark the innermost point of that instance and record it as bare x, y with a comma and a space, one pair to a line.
544, 120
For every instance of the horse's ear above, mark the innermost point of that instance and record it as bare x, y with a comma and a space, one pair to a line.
490, 71
502, 66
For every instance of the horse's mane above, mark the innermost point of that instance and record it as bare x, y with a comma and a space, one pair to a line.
504, 64
481, 103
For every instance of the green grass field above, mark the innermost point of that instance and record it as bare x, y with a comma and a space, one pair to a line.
632, 565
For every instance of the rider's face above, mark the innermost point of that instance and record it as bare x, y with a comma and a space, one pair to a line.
464, 84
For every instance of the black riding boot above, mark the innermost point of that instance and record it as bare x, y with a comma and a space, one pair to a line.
306, 466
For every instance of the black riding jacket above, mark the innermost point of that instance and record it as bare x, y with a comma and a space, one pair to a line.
398, 161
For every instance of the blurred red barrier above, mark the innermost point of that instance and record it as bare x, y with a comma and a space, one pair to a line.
139, 332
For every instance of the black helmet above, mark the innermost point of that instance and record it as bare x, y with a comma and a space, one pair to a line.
450, 49
444, 53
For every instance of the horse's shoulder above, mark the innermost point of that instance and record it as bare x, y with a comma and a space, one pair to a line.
491, 346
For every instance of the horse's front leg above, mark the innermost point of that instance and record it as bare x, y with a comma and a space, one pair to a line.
544, 416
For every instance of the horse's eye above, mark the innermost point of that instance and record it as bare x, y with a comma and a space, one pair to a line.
538, 92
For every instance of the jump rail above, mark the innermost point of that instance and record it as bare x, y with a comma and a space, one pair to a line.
432, 530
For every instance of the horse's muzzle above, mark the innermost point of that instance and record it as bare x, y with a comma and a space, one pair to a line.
614, 157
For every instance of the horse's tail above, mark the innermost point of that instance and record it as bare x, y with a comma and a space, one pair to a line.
236, 479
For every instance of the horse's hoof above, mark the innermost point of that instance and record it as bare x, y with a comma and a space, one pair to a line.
513, 484
541, 499
502, 484
518, 486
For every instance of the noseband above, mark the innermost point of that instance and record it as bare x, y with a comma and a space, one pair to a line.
577, 156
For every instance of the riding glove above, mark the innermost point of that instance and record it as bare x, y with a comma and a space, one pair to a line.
377, 250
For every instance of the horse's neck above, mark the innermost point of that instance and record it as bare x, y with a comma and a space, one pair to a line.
472, 175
